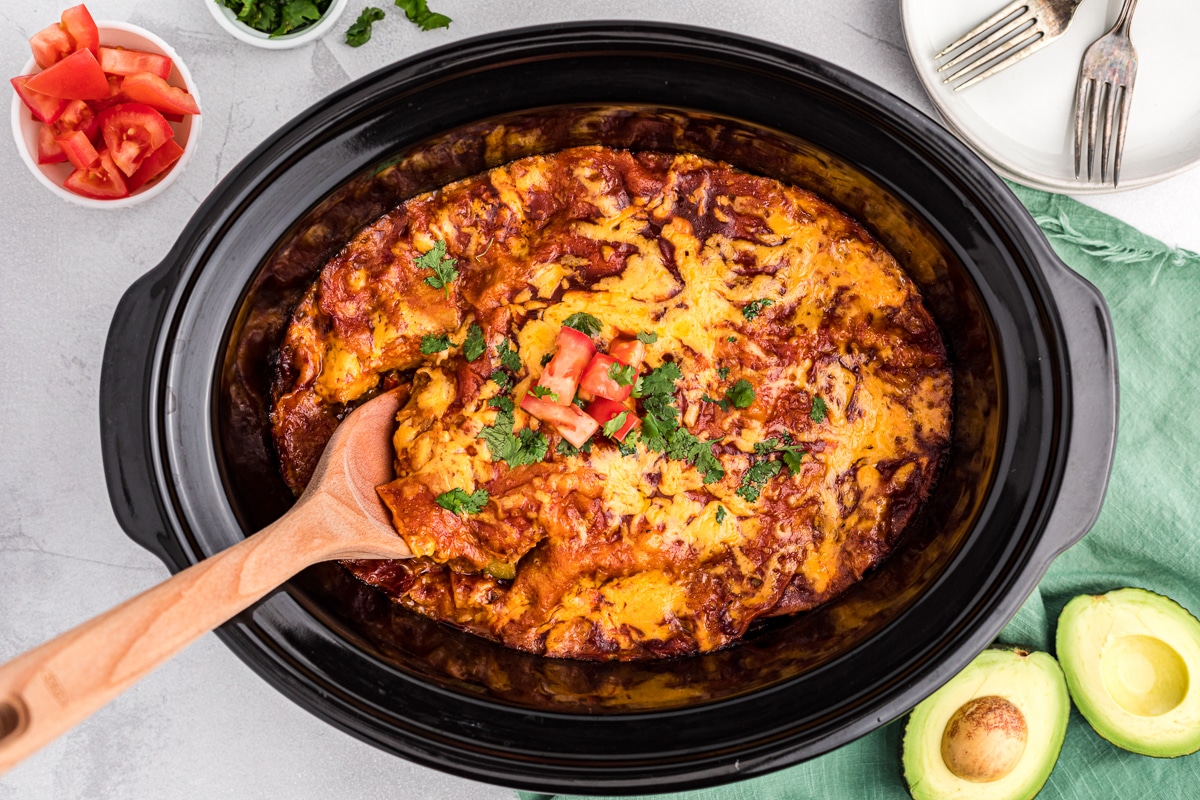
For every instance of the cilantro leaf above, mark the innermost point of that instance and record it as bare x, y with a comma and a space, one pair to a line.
509, 358
277, 17
721, 514
647, 337
629, 446
567, 449
527, 447
359, 32
501, 378
296, 14
474, 345
532, 447
444, 272
583, 322
435, 344
741, 394
658, 382
683, 445
755, 478
724, 404
544, 391
754, 308
502, 404
731, 339
546, 359
723, 373
791, 453
579, 401
656, 390
419, 14
457, 501
613, 425
792, 457
621, 374
818, 410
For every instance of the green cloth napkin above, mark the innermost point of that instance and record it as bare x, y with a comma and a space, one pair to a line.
1147, 534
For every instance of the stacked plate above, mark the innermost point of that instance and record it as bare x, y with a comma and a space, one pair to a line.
1021, 120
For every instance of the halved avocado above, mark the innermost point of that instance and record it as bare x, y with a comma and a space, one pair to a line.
1129, 656
993, 732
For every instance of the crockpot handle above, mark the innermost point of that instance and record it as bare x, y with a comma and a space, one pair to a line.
125, 434
1092, 365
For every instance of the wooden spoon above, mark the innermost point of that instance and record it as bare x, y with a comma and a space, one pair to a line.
55, 686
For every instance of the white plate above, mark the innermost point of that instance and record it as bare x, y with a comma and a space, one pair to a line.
1020, 120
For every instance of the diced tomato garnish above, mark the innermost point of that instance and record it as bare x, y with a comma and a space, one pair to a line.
155, 164
77, 117
49, 151
597, 381
132, 131
103, 181
562, 374
76, 77
144, 87
80, 26
45, 108
50, 45
628, 351
79, 149
602, 410
574, 425
119, 61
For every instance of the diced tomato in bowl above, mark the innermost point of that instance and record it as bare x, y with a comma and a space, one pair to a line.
152, 160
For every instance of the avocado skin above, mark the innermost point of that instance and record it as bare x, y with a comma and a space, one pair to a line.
1046, 716
1168, 735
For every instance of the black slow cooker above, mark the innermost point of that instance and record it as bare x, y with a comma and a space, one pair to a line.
190, 469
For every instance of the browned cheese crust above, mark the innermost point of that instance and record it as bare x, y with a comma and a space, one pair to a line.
628, 556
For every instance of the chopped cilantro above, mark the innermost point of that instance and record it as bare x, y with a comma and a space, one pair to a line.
724, 404
475, 344
418, 13
435, 344
791, 453
457, 501
629, 446
756, 477
723, 373
731, 339
547, 358
658, 382
527, 447
741, 394
544, 391
509, 358
753, 309
359, 32
683, 445
621, 374
818, 410
501, 378
721, 514
444, 272
567, 449
792, 457
613, 425
277, 17
656, 390
583, 322
501, 403
579, 401
647, 337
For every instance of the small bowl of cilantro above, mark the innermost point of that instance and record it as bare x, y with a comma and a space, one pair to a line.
277, 24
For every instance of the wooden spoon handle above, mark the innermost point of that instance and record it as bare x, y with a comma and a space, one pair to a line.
52, 688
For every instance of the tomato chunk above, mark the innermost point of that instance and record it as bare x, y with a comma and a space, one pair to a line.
119, 61
132, 131
144, 87
562, 374
77, 117
76, 77
50, 45
45, 108
598, 378
602, 410
571, 423
80, 26
157, 163
628, 351
102, 181
49, 151
79, 149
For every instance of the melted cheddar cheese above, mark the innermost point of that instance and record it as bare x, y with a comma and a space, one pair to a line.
605, 554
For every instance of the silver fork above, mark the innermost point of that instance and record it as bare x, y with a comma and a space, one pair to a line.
1108, 68
1014, 32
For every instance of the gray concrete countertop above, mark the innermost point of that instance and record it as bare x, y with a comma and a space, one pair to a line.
204, 726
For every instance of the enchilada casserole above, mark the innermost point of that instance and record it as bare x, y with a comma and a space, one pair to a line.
649, 399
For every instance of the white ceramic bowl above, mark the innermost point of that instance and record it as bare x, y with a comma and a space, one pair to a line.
228, 20
25, 128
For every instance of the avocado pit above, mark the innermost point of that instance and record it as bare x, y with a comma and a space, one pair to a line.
984, 739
